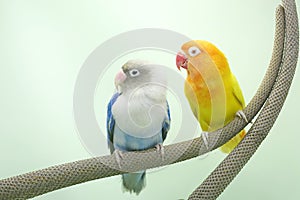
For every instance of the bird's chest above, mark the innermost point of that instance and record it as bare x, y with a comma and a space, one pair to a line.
208, 101
206, 93
138, 117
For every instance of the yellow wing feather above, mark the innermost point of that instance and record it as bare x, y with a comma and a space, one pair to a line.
237, 103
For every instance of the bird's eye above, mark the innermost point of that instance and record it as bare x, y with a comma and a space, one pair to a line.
134, 72
194, 51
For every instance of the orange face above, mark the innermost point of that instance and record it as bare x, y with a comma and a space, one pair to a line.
191, 50
200, 56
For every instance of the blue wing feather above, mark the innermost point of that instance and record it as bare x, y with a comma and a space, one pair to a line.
110, 121
166, 123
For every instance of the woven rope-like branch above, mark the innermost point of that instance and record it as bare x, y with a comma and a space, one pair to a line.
56, 177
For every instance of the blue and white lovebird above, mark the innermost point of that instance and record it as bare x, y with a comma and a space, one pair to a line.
138, 116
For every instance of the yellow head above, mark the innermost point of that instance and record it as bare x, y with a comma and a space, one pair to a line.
199, 56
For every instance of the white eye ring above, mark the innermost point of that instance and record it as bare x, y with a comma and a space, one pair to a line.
134, 72
194, 51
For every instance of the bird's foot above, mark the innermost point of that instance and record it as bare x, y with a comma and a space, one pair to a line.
160, 149
242, 115
119, 156
204, 135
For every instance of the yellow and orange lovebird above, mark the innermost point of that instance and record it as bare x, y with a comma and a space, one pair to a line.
212, 90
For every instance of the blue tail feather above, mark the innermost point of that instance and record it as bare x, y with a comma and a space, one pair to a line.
134, 182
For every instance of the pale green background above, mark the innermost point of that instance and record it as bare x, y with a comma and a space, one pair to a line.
43, 45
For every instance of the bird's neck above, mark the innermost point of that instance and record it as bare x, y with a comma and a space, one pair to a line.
153, 93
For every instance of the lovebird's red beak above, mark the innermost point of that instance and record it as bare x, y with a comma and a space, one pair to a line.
181, 61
